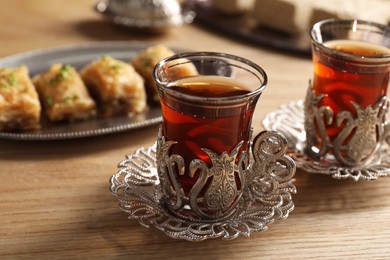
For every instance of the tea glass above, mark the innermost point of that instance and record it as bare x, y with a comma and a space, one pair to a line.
346, 106
206, 130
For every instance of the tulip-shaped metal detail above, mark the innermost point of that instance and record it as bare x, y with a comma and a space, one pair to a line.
359, 138
368, 130
228, 183
223, 192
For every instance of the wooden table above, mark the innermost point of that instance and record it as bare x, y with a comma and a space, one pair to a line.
55, 200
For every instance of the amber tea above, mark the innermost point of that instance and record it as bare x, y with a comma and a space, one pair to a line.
346, 106
207, 100
344, 81
194, 126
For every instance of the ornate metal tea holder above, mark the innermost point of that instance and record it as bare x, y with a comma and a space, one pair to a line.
361, 158
147, 189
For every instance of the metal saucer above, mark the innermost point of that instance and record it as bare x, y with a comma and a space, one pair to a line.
289, 120
135, 185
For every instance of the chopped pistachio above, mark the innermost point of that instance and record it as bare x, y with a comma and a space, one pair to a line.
116, 67
9, 80
68, 99
49, 101
4, 85
52, 82
65, 72
153, 54
145, 61
12, 79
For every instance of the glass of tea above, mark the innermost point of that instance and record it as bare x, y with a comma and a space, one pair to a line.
346, 104
207, 100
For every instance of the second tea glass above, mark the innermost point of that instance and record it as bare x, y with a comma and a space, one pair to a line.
346, 105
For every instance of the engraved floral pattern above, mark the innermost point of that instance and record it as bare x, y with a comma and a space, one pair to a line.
222, 191
368, 129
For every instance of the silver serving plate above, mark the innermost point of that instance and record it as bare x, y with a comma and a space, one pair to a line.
78, 55
145, 14
288, 120
135, 185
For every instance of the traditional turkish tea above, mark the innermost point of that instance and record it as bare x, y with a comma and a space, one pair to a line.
346, 106
216, 127
343, 81
207, 100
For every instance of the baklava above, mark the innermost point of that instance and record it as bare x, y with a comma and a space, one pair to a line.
20, 108
116, 86
145, 61
64, 95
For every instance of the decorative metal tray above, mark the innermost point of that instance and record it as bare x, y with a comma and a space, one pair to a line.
135, 186
288, 120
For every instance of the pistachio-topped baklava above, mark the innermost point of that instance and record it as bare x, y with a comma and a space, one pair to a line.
19, 103
116, 86
64, 95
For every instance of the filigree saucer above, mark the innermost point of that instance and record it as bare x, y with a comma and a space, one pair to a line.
135, 185
289, 121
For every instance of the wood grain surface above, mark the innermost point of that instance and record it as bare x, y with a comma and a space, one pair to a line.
55, 201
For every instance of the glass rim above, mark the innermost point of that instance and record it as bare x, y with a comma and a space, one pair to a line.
164, 85
316, 28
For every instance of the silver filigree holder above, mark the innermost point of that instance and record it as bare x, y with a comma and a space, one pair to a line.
359, 138
217, 193
289, 120
147, 188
